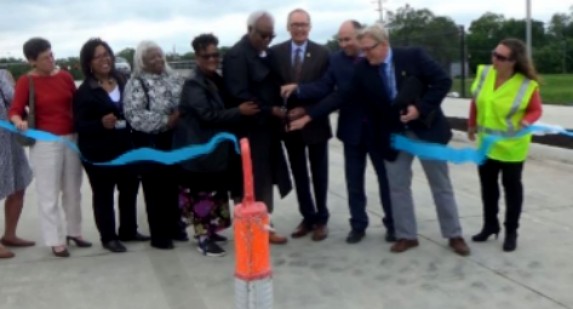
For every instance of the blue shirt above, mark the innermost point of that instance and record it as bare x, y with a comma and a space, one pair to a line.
294, 46
390, 76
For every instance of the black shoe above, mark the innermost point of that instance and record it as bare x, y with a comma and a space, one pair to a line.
208, 247
390, 236
164, 245
218, 238
181, 236
510, 242
485, 234
80, 243
115, 246
355, 236
137, 237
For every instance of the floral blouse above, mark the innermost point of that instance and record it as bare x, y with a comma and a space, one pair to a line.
151, 115
7, 89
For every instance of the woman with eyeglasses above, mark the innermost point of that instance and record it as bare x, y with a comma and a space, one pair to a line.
103, 135
506, 100
57, 168
207, 181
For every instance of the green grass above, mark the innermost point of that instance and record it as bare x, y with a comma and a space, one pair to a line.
555, 88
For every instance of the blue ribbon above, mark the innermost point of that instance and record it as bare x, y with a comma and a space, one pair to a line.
432, 151
423, 150
136, 155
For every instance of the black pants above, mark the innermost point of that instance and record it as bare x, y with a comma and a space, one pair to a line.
511, 181
161, 193
103, 181
314, 211
355, 167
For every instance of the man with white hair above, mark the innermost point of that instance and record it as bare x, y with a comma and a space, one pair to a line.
249, 76
385, 75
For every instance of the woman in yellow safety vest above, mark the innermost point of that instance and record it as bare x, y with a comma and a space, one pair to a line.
506, 99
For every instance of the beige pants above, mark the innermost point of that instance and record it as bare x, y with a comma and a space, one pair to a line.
57, 170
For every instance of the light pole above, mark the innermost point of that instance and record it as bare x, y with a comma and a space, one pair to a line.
380, 9
528, 27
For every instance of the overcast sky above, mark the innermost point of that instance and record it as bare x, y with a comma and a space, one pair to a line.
173, 23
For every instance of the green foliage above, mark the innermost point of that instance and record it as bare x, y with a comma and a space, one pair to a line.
438, 35
555, 88
332, 44
488, 30
17, 67
127, 54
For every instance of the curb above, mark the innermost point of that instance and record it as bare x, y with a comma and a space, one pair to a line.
537, 152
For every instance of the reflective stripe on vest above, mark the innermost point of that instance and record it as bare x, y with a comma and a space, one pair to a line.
481, 80
516, 103
508, 133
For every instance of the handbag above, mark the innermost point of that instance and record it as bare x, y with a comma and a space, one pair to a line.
143, 139
30, 115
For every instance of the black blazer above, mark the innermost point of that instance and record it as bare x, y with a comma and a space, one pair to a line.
91, 104
203, 115
366, 87
249, 77
314, 65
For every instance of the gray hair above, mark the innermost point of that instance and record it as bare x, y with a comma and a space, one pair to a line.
140, 51
256, 16
377, 32
299, 10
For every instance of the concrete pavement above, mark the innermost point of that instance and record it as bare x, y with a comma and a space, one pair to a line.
330, 274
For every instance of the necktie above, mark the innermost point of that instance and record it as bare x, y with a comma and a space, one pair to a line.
297, 64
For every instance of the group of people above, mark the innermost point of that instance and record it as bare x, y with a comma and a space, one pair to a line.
278, 97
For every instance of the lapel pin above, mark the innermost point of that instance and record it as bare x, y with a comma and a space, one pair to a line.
403, 73
307, 55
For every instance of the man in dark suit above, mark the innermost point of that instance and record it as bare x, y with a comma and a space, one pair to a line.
352, 131
302, 60
376, 83
248, 75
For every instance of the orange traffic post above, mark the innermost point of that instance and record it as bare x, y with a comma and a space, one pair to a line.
253, 274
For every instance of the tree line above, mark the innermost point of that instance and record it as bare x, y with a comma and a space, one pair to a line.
447, 42
552, 41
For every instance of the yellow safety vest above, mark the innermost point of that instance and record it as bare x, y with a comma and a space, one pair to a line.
500, 111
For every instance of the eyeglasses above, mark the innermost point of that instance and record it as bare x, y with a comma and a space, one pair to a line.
265, 35
500, 57
210, 56
102, 56
369, 48
299, 25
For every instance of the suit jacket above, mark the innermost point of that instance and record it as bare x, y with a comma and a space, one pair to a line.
366, 87
338, 76
91, 104
314, 65
203, 115
249, 77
